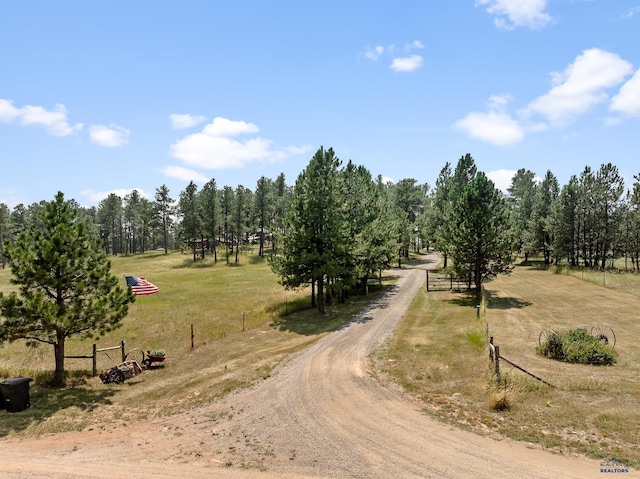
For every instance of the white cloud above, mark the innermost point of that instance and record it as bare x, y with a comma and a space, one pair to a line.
387, 180
494, 127
374, 53
298, 150
406, 64
8, 112
633, 11
183, 121
216, 147
224, 127
111, 136
627, 100
580, 86
501, 178
184, 174
510, 14
54, 121
12, 201
97, 196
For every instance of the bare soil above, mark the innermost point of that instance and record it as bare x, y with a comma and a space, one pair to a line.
322, 414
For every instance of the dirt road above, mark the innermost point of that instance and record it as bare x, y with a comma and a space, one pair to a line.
321, 415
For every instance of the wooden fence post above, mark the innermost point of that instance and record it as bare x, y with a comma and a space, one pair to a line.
497, 363
191, 335
95, 359
124, 355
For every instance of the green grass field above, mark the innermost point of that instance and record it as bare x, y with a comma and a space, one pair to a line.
218, 300
440, 354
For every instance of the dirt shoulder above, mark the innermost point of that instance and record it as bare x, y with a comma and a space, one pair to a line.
322, 414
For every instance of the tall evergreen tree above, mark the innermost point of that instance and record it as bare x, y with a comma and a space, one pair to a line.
563, 223
313, 243
227, 200
521, 196
65, 284
191, 217
539, 234
164, 208
410, 198
109, 218
281, 203
264, 206
482, 240
5, 230
439, 211
210, 204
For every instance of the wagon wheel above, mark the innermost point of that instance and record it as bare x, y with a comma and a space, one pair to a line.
545, 334
136, 354
116, 376
604, 333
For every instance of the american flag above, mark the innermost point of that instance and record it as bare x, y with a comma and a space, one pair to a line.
140, 285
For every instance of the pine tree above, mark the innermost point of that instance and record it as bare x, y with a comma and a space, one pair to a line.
313, 243
65, 284
482, 240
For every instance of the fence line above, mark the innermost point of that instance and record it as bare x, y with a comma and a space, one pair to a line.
495, 357
94, 355
444, 283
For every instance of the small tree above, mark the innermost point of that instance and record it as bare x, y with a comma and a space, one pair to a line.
65, 284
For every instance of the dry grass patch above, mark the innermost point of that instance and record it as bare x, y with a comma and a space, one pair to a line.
218, 300
439, 355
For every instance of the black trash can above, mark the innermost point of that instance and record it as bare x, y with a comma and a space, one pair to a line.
16, 394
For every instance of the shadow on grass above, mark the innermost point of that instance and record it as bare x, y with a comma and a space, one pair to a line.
534, 264
47, 401
356, 309
497, 302
465, 299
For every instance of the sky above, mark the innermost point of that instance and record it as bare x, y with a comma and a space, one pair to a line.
107, 97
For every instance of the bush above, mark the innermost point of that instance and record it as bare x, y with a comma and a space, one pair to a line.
577, 346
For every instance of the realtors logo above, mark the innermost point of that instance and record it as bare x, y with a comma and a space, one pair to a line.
613, 466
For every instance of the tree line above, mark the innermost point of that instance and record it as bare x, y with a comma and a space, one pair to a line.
338, 225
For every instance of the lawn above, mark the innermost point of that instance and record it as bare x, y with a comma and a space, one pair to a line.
440, 354
244, 323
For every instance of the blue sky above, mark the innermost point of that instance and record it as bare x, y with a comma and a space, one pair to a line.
100, 97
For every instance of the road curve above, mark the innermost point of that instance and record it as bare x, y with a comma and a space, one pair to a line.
321, 415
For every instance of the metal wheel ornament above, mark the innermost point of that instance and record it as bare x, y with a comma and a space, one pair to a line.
545, 335
604, 333
135, 354
116, 376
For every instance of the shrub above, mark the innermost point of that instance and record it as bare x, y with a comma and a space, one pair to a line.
577, 346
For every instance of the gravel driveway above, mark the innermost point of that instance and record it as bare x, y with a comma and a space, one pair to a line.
320, 415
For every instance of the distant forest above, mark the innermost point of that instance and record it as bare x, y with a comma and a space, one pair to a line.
591, 221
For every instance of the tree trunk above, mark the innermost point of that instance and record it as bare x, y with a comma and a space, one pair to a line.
321, 295
478, 281
58, 348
